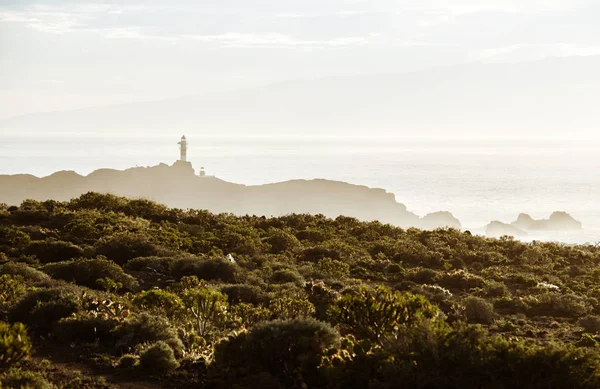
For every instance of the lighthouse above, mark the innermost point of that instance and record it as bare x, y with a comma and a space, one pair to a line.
183, 149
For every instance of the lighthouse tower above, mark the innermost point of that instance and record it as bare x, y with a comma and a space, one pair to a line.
183, 148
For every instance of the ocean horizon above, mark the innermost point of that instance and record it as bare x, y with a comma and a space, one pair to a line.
477, 180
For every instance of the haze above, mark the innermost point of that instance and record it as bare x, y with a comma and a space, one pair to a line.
65, 55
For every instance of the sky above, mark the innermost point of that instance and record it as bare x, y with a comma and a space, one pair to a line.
60, 54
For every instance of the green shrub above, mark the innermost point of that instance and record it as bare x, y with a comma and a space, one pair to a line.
370, 314
128, 361
285, 276
159, 301
146, 328
590, 324
28, 273
243, 293
22, 379
289, 350
158, 358
290, 308
42, 308
14, 344
479, 311
158, 264
205, 269
123, 247
11, 289
207, 306
281, 241
53, 251
84, 330
87, 272
460, 280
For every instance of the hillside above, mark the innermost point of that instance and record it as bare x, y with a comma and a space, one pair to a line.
178, 186
552, 95
118, 293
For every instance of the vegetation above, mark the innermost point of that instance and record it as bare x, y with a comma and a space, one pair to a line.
190, 299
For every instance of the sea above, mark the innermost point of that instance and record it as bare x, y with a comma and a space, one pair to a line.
478, 180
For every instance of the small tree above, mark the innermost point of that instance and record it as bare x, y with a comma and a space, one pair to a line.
371, 314
208, 307
14, 344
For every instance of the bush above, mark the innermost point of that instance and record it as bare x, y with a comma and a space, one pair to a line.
40, 309
87, 272
85, 330
14, 344
460, 280
20, 379
205, 269
479, 311
146, 328
27, 272
282, 241
159, 264
53, 251
158, 358
370, 314
285, 276
289, 350
123, 247
590, 324
242, 293
11, 289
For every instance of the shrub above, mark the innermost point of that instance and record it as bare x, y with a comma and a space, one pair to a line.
14, 344
479, 311
371, 314
208, 307
11, 289
53, 251
27, 272
158, 358
460, 280
332, 268
496, 289
288, 350
123, 247
40, 309
285, 276
590, 324
146, 328
160, 301
84, 330
282, 241
87, 272
242, 293
205, 269
128, 361
21, 379
290, 308
159, 264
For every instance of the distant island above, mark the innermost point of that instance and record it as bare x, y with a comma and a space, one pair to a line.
179, 186
558, 221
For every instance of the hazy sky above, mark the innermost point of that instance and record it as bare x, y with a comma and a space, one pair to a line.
59, 54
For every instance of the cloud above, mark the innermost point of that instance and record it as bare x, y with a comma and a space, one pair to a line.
536, 51
275, 40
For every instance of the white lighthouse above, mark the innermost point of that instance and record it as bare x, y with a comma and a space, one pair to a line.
183, 149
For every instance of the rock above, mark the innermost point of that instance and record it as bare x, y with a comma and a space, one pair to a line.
558, 221
439, 219
497, 229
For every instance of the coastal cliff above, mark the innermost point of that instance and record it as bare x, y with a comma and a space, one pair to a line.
178, 186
